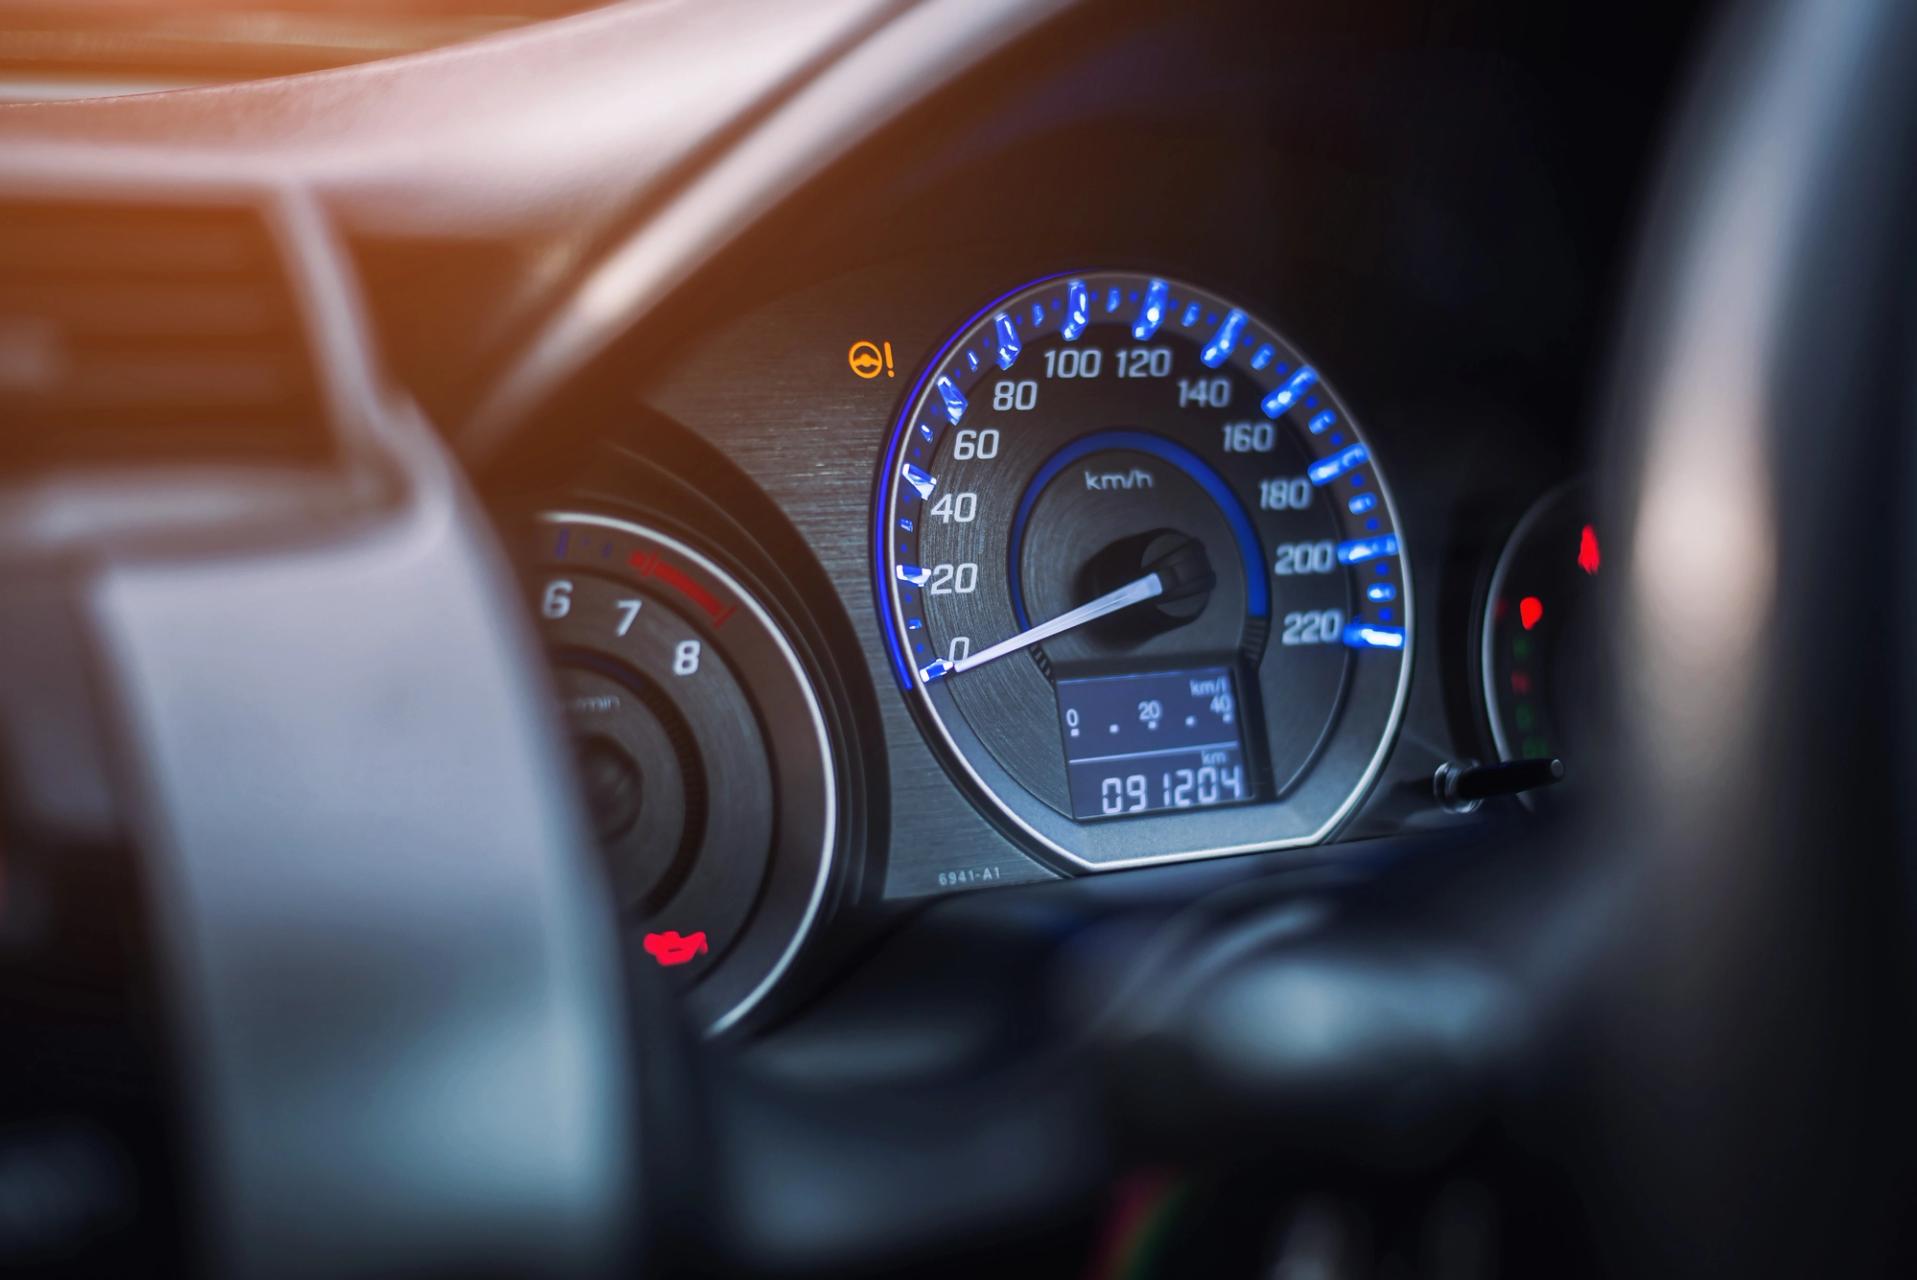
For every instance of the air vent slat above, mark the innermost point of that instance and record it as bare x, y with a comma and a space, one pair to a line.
141, 334
84, 309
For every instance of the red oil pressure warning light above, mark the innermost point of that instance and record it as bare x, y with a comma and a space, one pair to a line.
1530, 611
671, 947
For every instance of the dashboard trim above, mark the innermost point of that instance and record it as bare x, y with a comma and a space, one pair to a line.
899, 65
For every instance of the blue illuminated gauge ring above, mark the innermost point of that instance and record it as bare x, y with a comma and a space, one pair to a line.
1140, 577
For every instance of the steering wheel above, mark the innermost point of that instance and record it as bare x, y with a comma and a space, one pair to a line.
406, 1042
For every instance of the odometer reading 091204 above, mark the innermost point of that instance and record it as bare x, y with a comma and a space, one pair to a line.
1140, 575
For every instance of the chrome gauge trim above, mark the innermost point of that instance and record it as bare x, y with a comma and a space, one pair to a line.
828, 765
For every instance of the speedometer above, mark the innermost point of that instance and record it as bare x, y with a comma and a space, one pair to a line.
1140, 575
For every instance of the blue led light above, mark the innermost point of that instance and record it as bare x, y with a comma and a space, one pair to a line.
1362, 503
1190, 317
1262, 356
1219, 349
1038, 314
1111, 299
881, 555
1367, 635
1362, 549
953, 397
934, 671
905, 523
1151, 313
1381, 592
922, 481
913, 574
1320, 421
914, 624
1008, 344
1325, 470
925, 432
1078, 312
1288, 392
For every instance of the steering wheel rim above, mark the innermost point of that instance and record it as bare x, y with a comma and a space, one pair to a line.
1763, 997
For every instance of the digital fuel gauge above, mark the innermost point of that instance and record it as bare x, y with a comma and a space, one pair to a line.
1539, 625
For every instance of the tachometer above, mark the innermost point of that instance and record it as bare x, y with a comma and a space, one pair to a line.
703, 752
1140, 574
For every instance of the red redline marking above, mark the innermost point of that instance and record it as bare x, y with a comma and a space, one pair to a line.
687, 586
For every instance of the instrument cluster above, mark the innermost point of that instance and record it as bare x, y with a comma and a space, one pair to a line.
969, 551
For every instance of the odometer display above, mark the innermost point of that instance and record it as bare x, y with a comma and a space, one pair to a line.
1166, 740
1140, 575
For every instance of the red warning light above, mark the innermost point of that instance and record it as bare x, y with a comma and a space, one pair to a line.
670, 948
1530, 610
1588, 550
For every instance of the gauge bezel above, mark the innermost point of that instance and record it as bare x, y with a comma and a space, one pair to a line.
828, 776
1544, 505
958, 758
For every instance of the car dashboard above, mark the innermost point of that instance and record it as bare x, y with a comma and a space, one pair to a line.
1318, 338
938, 636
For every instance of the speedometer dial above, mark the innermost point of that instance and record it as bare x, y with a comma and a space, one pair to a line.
1141, 576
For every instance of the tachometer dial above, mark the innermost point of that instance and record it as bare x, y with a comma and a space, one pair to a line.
1140, 574
705, 759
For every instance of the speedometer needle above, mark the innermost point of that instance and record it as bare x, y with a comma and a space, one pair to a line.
1145, 588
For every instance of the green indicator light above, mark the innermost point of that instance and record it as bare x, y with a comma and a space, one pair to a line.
1525, 718
1520, 647
1536, 749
